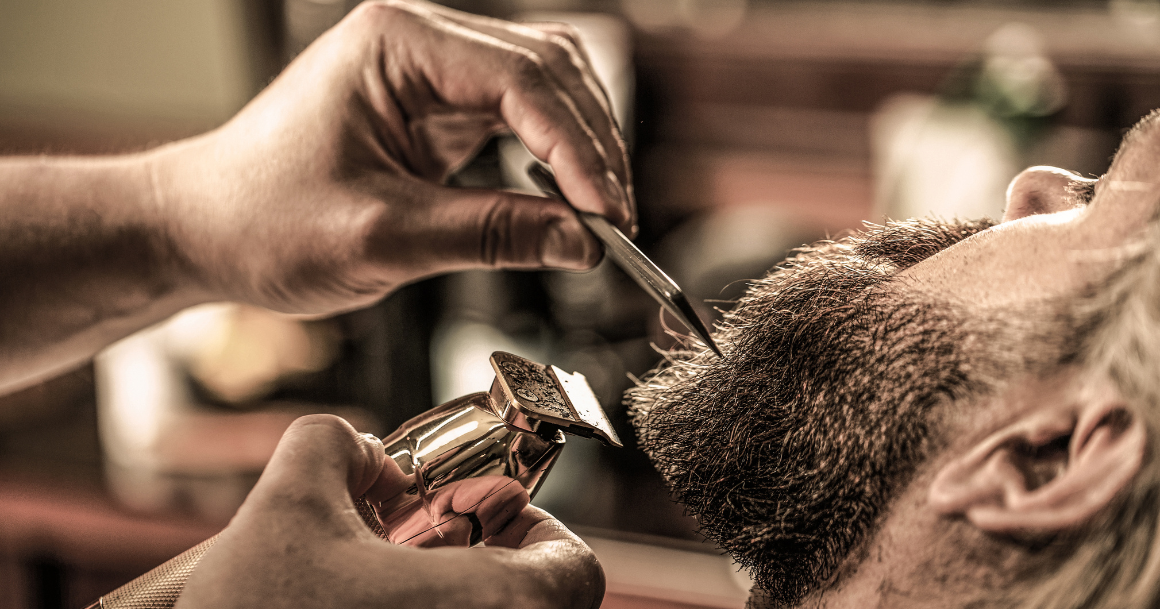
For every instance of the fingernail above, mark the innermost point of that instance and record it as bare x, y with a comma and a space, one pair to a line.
563, 248
372, 438
614, 191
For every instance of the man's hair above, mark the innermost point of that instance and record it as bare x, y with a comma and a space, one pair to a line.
836, 385
1114, 561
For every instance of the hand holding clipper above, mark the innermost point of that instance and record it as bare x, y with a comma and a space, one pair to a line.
466, 468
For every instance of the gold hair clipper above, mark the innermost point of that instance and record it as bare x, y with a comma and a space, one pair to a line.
473, 464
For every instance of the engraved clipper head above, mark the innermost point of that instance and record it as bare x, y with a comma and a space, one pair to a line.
529, 395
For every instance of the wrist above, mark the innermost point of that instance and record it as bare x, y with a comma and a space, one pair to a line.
180, 185
142, 224
86, 261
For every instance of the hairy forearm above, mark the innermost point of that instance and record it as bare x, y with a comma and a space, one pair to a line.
84, 261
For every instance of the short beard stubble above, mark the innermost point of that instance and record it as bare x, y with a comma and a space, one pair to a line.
790, 448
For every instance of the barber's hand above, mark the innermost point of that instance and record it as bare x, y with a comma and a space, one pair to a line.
298, 542
325, 192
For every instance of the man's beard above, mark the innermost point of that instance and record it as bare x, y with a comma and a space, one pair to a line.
790, 448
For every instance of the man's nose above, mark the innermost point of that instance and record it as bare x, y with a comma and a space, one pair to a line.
1041, 190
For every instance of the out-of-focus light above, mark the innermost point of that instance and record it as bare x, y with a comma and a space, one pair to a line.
705, 18
134, 388
946, 160
652, 14
712, 18
460, 352
1139, 19
1137, 12
1020, 74
239, 353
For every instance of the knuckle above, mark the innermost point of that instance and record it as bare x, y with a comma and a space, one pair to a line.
327, 420
570, 33
334, 428
528, 69
496, 231
591, 256
378, 15
560, 52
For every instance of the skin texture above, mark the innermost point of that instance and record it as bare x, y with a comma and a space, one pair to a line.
917, 420
297, 541
322, 195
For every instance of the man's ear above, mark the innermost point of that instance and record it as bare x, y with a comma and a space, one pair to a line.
1059, 463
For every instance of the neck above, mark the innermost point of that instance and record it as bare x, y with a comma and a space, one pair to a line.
916, 559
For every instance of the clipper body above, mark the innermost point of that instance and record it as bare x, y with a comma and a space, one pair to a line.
477, 460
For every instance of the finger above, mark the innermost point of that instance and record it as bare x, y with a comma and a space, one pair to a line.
562, 562
560, 46
543, 565
390, 485
573, 72
465, 68
495, 501
557, 44
532, 526
320, 463
572, 35
470, 228
406, 525
451, 530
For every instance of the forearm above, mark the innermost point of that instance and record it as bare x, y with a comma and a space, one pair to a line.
84, 261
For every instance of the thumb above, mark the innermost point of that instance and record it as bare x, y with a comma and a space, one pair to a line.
320, 461
499, 229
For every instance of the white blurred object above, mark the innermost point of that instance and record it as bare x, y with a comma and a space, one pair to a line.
162, 447
460, 352
955, 158
946, 160
238, 353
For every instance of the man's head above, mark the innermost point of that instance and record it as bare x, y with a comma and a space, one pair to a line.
968, 399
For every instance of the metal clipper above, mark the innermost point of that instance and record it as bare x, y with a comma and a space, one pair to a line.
477, 460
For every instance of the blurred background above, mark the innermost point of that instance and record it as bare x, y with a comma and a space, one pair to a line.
755, 126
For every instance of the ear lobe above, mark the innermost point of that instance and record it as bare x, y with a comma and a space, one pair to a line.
1048, 472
